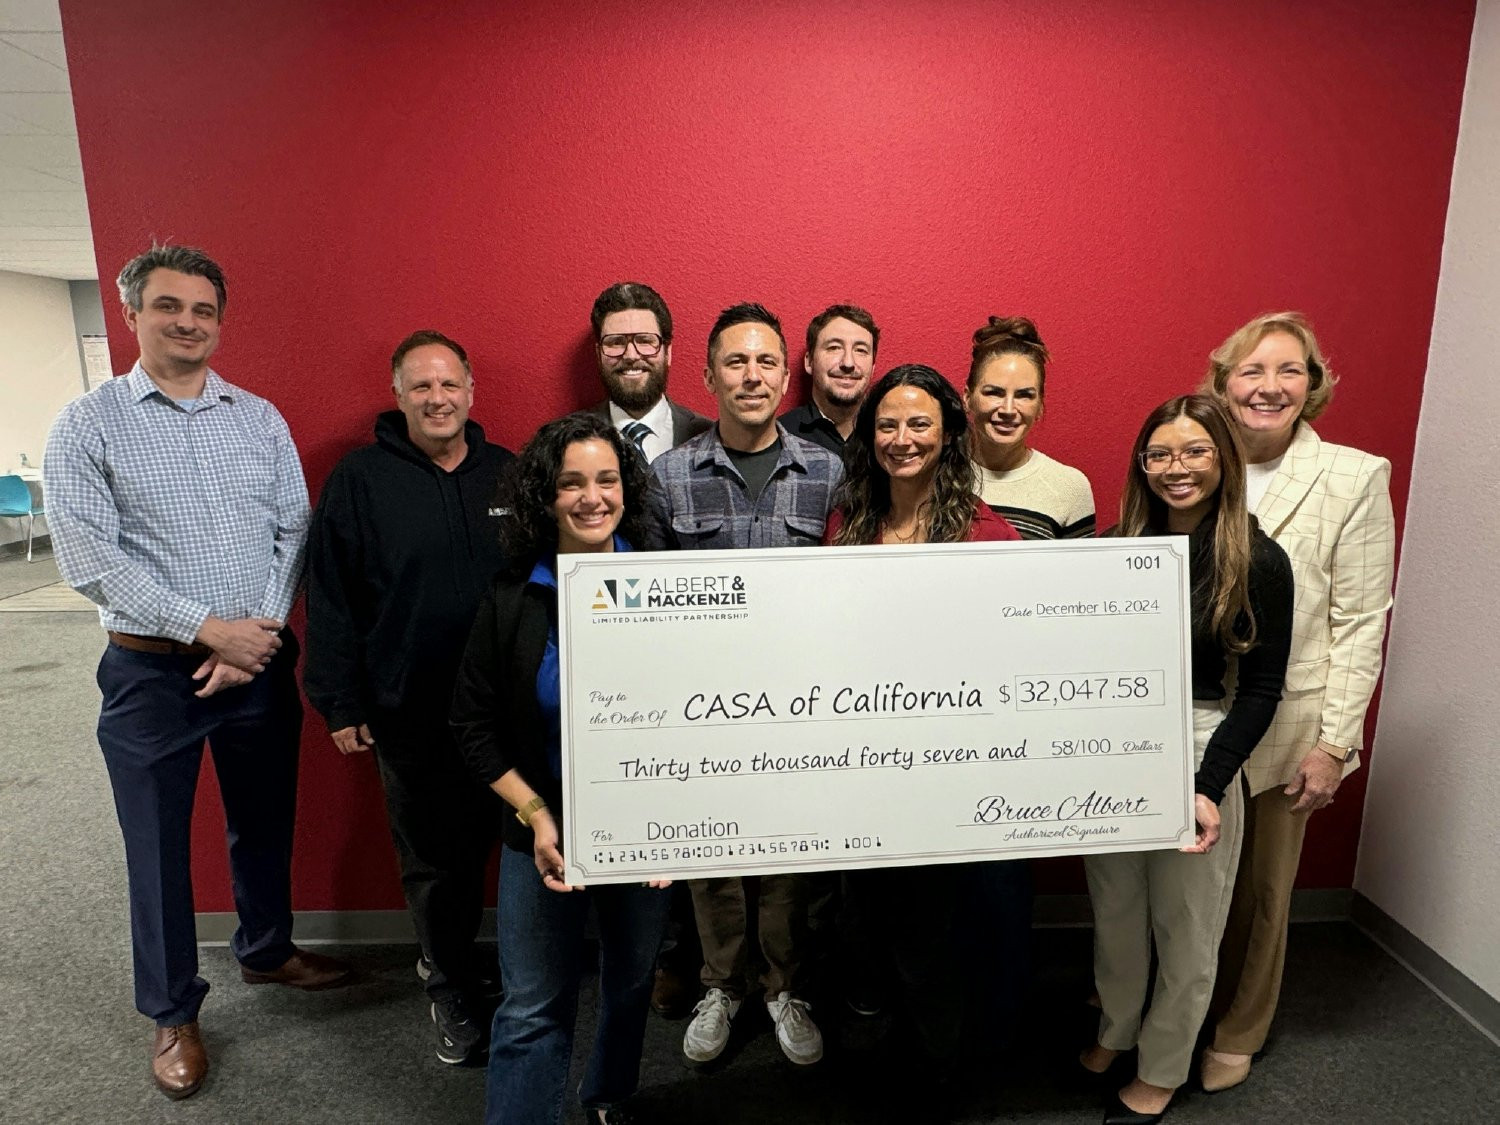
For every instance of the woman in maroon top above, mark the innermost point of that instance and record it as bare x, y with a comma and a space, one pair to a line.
908, 474
909, 480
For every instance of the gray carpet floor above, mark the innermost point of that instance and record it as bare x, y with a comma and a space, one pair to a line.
1359, 1038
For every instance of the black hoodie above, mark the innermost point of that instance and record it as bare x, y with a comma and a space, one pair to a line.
398, 556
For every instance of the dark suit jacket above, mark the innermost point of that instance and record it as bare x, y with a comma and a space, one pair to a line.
686, 423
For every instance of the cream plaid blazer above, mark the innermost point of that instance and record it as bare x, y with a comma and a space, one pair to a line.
1329, 507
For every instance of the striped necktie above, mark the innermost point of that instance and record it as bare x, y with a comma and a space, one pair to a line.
636, 432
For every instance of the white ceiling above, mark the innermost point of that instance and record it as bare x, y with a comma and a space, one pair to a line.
44, 217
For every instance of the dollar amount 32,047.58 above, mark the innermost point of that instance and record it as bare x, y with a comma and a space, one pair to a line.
1094, 689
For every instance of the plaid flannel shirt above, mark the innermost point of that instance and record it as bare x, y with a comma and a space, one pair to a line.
705, 503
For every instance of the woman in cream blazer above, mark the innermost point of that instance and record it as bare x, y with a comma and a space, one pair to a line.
1328, 506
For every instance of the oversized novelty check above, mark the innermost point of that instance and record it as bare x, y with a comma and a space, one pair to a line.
740, 712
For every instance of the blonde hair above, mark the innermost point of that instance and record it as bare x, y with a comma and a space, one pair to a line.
1245, 339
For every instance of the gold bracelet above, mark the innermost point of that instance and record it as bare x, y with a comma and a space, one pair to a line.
530, 809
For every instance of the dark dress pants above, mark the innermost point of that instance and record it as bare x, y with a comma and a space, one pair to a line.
913, 910
444, 824
151, 731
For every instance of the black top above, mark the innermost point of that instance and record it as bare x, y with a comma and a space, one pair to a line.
496, 719
811, 424
1261, 671
756, 467
399, 553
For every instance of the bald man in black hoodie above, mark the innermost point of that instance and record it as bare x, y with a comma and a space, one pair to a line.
403, 545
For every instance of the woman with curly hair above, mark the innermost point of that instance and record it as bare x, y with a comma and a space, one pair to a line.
1187, 477
908, 480
578, 486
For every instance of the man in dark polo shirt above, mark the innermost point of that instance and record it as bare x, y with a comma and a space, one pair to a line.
841, 345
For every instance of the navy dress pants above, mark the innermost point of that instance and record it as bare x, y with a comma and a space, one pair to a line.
151, 730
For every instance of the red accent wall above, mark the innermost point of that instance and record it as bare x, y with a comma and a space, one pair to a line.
1140, 179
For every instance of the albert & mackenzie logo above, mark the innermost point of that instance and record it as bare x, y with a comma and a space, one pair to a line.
697, 591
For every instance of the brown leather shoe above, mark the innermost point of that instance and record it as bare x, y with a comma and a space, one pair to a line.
308, 971
672, 995
178, 1060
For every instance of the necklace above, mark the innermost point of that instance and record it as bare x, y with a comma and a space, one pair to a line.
890, 530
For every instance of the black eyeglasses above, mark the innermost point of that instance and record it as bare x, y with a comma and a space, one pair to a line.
646, 343
1194, 459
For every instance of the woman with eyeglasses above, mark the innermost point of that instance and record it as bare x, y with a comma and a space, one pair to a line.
1005, 396
1329, 506
578, 486
908, 480
1187, 477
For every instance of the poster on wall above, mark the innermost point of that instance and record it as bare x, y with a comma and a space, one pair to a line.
96, 368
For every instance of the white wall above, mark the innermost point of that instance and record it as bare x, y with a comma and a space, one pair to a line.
39, 371
1430, 847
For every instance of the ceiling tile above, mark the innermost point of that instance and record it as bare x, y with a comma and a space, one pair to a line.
28, 179
25, 73
60, 198
44, 219
51, 113
44, 154
15, 235
30, 15
44, 45
15, 127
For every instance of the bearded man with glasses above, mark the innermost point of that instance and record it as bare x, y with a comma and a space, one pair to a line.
633, 344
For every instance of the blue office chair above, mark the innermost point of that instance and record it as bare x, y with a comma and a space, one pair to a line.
15, 500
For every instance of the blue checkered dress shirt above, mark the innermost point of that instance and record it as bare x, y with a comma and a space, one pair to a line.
704, 502
164, 514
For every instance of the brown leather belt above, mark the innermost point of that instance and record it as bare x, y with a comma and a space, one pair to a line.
162, 646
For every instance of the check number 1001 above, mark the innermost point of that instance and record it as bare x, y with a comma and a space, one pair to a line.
1096, 689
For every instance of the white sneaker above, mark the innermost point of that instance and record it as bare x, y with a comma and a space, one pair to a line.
709, 1030
800, 1039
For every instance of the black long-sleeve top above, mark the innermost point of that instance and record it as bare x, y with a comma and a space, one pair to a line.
496, 719
400, 552
1261, 671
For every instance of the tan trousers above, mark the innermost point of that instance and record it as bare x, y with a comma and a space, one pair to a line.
781, 919
1181, 902
1253, 952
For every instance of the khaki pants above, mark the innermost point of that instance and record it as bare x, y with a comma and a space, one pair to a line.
1253, 953
781, 919
1179, 901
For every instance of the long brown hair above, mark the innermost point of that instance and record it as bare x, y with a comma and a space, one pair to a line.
1142, 512
865, 495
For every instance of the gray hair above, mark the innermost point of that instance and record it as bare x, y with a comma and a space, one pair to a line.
182, 259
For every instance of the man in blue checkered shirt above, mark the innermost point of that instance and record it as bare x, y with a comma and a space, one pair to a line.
748, 483
176, 502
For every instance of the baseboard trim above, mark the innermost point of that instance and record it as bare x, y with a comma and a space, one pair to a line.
1074, 911
16, 548
335, 927
393, 927
1430, 967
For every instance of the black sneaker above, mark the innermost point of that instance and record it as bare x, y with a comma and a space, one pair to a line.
611, 1115
460, 1039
